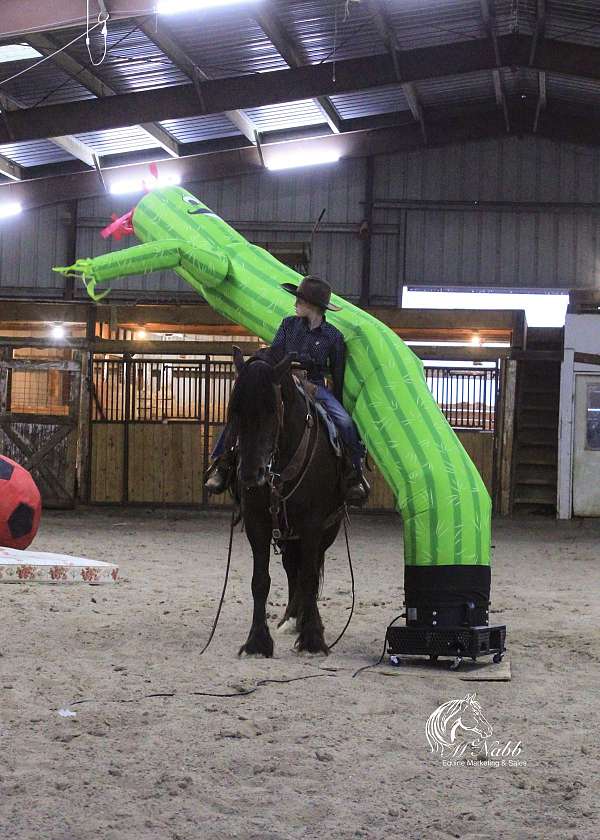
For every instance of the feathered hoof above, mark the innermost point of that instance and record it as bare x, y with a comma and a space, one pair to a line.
311, 641
258, 643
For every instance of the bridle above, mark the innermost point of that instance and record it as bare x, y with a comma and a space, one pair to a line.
294, 471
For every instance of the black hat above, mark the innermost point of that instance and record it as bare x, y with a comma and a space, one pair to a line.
313, 290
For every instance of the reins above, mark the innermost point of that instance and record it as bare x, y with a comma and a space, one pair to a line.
278, 500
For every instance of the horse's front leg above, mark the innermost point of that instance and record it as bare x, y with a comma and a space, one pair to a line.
259, 639
311, 636
291, 562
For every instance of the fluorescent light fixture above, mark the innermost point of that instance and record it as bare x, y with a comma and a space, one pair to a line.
11, 208
541, 309
58, 331
17, 52
302, 157
133, 185
174, 7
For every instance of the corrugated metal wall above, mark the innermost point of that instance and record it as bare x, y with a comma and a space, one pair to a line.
481, 245
427, 226
29, 246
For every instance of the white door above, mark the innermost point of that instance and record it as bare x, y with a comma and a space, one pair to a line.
586, 446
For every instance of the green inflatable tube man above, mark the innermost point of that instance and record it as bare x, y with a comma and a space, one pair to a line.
445, 507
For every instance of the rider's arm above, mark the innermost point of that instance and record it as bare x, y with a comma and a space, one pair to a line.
337, 364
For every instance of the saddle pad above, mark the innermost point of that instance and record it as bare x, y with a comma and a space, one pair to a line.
332, 431
334, 438
41, 567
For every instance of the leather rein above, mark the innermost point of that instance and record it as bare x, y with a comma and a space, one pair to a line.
295, 471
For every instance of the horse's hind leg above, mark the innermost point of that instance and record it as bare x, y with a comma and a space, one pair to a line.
291, 562
259, 639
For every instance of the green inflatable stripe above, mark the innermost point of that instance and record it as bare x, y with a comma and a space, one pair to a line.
445, 506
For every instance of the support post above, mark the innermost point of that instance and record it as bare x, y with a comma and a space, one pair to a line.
365, 286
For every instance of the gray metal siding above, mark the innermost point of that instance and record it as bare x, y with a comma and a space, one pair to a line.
508, 246
30, 245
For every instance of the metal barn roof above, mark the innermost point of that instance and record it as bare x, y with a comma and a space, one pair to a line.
369, 75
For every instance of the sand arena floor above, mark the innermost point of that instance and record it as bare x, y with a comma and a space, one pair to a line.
327, 757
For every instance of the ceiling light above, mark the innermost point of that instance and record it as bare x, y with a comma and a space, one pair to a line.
11, 208
58, 331
17, 52
133, 185
476, 340
173, 7
302, 157
140, 334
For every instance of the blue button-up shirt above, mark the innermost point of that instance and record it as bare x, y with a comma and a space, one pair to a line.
322, 350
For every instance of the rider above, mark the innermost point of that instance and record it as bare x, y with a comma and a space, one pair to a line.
321, 350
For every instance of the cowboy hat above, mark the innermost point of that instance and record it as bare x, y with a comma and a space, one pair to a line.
312, 290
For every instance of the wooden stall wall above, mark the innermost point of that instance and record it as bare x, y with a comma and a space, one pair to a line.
154, 424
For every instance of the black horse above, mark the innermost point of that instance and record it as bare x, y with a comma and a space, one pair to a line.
290, 483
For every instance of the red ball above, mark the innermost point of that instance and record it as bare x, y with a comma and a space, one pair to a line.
20, 505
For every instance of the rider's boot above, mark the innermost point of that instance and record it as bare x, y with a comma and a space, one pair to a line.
220, 474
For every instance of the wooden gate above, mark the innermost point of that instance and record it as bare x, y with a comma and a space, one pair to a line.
39, 416
153, 425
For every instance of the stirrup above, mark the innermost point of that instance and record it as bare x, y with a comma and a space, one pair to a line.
357, 494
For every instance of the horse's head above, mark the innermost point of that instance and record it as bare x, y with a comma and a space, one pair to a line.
256, 408
472, 718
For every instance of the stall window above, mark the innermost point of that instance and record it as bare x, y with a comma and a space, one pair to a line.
593, 417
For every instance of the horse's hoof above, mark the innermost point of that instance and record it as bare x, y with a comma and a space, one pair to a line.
244, 654
288, 627
312, 654
258, 643
311, 643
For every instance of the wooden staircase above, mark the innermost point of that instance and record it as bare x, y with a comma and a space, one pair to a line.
536, 423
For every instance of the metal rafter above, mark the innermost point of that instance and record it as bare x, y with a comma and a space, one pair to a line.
10, 169
162, 37
540, 28
389, 38
279, 86
538, 35
271, 25
69, 144
542, 100
46, 45
488, 13
354, 143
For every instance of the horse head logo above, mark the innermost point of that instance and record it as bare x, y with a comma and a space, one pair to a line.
454, 720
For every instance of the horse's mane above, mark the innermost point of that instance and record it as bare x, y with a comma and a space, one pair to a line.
253, 392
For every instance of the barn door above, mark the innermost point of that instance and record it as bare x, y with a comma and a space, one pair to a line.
39, 415
586, 446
